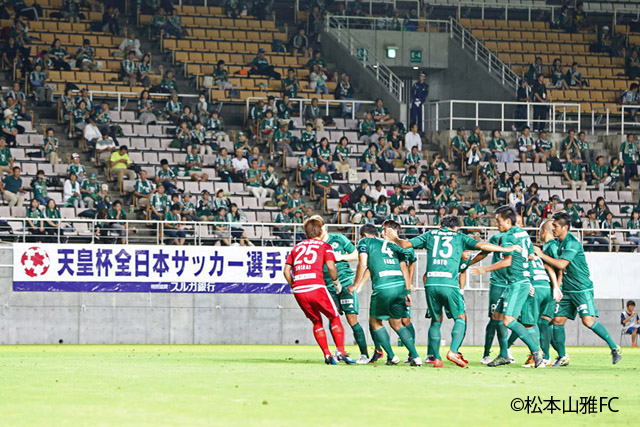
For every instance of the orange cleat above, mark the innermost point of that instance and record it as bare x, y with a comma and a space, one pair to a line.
437, 363
453, 357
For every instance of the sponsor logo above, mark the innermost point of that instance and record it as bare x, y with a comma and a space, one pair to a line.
35, 261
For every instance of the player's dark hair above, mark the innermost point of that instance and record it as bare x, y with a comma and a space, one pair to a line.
563, 219
507, 212
450, 221
389, 223
313, 228
368, 229
631, 302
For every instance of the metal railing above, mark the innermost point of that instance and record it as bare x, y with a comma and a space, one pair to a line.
532, 10
387, 24
128, 95
201, 233
483, 55
368, 59
441, 114
302, 102
371, 2
610, 115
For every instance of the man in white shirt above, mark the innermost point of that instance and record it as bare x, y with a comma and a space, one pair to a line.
104, 147
240, 164
91, 133
131, 43
377, 191
629, 321
413, 139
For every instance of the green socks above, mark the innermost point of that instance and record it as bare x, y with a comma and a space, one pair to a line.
512, 338
375, 340
552, 338
361, 340
405, 335
412, 330
457, 334
527, 337
559, 338
382, 337
503, 339
434, 340
489, 333
543, 327
602, 332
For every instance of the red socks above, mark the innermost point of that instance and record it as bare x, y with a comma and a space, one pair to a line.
337, 331
321, 338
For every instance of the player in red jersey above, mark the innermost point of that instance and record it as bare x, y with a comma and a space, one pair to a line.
303, 271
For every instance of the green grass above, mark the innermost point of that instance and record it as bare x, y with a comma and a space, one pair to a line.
289, 385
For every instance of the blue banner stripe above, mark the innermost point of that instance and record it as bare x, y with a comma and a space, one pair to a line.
163, 287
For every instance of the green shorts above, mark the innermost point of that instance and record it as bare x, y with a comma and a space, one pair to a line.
407, 313
540, 304
513, 299
388, 303
494, 295
346, 303
448, 298
576, 303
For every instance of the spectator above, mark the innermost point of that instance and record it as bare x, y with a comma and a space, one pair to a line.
531, 195
85, 57
117, 217
629, 98
535, 69
91, 132
215, 129
312, 114
565, 21
395, 214
146, 113
410, 184
460, 146
158, 22
299, 43
193, 164
396, 149
381, 209
282, 231
129, 69
84, 96
81, 115
307, 166
574, 77
324, 156
634, 224
6, 158
341, 156
260, 67
576, 213
296, 202
102, 118
323, 183
533, 214
609, 224
503, 188
344, 91
224, 167
173, 109
440, 164
120, 164
89, 190
52, 218
413, 158
254, 183
168, 84
381, 114
103, 200
238, 234
159, 204
199, 139
172, 225
67, 104
39, 185
110, 21
580, 17
629, 320
471, 223
270, 180
77, 168
235, 8
601, 209
282, 139
451, 193
188, 209
551, 207
282, 193
221, 228
104, 148
59, 56
574, 174
369, 158
71, 193
412, 138
317, 80
604, 44
527, 146
523, 96
166, 177
629, 157
290, 85
143, 189
12, 188
599, 174
499, 148
558, 75
360, 209
39, 85
206, 206
490, 174
35, 224
540, 112
131, 44
633, 65
545, 149
20, 99
570, 146
419, 94
616, 172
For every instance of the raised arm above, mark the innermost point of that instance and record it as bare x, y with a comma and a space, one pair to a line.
559, 264
353, 256
503, 263
490, 247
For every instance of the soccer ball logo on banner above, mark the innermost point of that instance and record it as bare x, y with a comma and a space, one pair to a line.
35, 261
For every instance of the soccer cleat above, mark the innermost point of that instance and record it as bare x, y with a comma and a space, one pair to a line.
377, 354
393, 361
408, 359
634, 345
437, 363
545, 363
344, 358
486, 360
453, 357
329, 360
616, 355
510, 356
529, 363
538, 357
498, 361
416, 362
561, 361
462, 358
364, 359
429, 360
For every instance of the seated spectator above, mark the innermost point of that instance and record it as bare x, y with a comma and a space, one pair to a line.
634, 224
71, 192
255, 184
308, 137
41, 89
283, 231
413, 158
12, 189
81, 116
59, 56
344, 91
102, 118
534, 70
395, 214
318, 60
360, 209
341, 156
199, 139
574, 174
104, 148
77, 168
474, 155
238, 234
174, 25
605, 42
282, 194
143, 189
500, 148
40, 185
224, 167
215, 129
470, 221
368, 128
533, 214
131, 44
259, 66
52, 219
558, 75
103, 200
323, 184
368, 160
144, 71
242, 143
159, 204
6, 158
120, 163
172, 226
116, 224
381, 114
570, 146
396, 145
193, 165
574, 77
609, 224
313, 114
173, 108
221, 229
633, 65
206, 206
85, 57
490, 174
324, 156
545, 148
317, 80
527, 146
91, 132
484, 217
583, 146
628, 99
503, 187
166, 177
235, 8
307, 166
440, 164
168, 83
616, 172
146, 112
159, 22
84, 96
381, 209
629, 320
452, 193
410, 184
299, 43
600, 174
129, 69
565, 21
89, 190
576, 213
282, 139
35, 223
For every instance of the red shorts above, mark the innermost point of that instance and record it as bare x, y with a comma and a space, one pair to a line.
316, 302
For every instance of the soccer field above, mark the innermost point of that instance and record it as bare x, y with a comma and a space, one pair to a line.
290, 385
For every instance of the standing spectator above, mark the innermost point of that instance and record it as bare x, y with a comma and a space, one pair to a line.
474, 155
290, 85
523, 96
12, 188
574, 174
413, 139
535, 69
629, 156
527, 146
540, 112
629, 320
120, 163
381, 115
419, 94
634, 224
260, 67
499, 148
110, 21
299, 43
131, 44
71, 192
6, 158
599, 174
85, 57
344, 91
460, 146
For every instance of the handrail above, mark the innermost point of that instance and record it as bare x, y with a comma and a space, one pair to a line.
196, 235
304, 101
435, 116
484, 55
608, 111
120, 95
393, 2
380, 23
506, 6
370, 61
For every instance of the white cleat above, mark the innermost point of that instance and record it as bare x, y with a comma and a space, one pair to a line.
393, 361
510, 356
545, 363
485, 360
416, 362
363, 360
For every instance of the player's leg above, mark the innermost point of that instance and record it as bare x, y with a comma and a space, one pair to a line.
588, 314
547, 308
397, 310
305, 301
516, 299
455, 309
599, 329
492, 325
382, 337
502, 332
377, 352
634, 336
349, 306
325, 304
406, 322
405, 337
435, 308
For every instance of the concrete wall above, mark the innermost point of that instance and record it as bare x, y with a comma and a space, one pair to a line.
155, 318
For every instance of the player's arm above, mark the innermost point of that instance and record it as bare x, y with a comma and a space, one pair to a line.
503, 263
490, 247
288, 275
393, 236
353, 256
555, 286
407, 282
462, 279
412, 272
358, 283
333, 273
559, 264
479, 257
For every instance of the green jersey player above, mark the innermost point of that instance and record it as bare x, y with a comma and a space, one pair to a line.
577, 289
516, 265
347, 303
391, 290
442, 288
